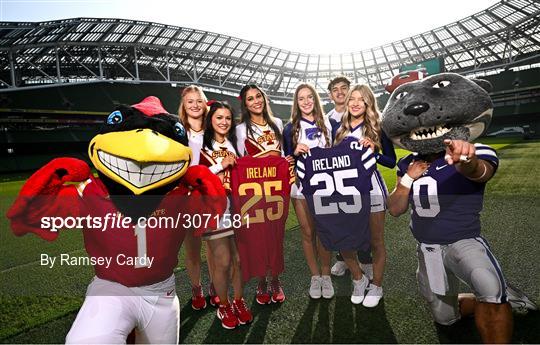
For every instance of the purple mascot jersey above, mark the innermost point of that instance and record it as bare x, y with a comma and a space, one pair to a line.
445, 204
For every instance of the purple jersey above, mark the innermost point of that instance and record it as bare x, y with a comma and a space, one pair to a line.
445, 204
336, 183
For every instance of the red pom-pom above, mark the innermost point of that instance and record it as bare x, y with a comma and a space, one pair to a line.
210, 102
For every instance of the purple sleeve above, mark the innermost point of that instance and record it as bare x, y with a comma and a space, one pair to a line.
488, 154
387, 157
335, 126
288, 150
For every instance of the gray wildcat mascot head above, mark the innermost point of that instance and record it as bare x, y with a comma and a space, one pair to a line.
421, 114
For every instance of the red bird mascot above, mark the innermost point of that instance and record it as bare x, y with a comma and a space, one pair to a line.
142, 158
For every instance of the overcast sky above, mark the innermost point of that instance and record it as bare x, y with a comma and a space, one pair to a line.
304, 26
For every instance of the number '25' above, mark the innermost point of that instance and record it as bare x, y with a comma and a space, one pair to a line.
258, 194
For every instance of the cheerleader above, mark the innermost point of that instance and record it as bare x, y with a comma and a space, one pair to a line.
192, 112
361, 120
309, 128
219, 153
259, 134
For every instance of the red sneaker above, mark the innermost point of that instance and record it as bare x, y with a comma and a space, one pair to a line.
198, 301
242, 311
226, 314
263, 297
214, 298
278, 296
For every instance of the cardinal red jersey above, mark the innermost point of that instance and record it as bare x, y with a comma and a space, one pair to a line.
261, 189
128, 245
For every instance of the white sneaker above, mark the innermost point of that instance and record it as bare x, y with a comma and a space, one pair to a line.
373, 296
327, 287
339, 268
368, 270
518, 300
315, 287
359, 288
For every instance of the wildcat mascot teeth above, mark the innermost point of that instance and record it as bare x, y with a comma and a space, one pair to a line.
421, 114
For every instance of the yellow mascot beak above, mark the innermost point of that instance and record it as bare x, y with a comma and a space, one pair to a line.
140, 159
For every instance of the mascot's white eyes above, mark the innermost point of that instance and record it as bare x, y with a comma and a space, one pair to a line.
401, 95
115, 117
180, 130
441, 84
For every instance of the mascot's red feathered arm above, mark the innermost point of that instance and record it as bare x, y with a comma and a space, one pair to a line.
45, 195
206, 195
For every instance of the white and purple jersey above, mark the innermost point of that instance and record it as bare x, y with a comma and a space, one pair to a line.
387, 156
445, 204
309, 134
336, 183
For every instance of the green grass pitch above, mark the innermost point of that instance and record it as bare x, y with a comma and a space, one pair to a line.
38, 305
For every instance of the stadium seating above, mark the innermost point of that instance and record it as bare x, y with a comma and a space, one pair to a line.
66, 117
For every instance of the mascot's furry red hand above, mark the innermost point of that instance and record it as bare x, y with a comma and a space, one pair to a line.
142, 159
45, 194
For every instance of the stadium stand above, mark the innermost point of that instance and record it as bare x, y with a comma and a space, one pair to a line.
60, 79
99, 98
40, 124
44, 123
516, 96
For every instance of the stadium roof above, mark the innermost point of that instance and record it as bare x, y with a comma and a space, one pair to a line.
504, 35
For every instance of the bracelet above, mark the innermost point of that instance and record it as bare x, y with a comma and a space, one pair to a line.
481, 176
406, 181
